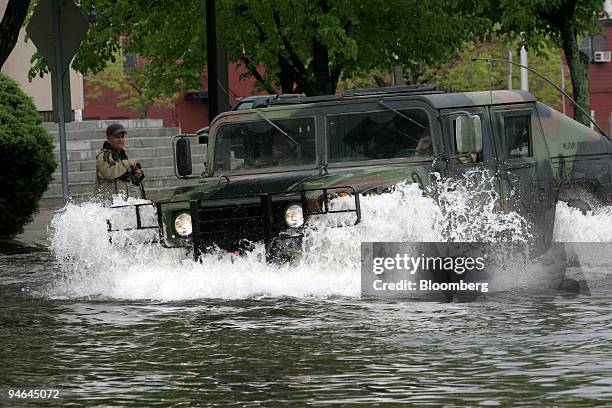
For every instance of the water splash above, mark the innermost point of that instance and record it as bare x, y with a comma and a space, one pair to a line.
91, 266
571, 225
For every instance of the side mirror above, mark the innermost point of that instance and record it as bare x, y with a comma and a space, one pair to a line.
183, 157
468, 133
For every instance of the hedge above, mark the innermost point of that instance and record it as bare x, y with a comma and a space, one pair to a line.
26, 158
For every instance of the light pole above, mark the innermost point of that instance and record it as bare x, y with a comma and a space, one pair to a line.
218, 94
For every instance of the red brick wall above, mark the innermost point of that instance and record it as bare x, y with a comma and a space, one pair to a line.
600, 85
189, 114
105, 107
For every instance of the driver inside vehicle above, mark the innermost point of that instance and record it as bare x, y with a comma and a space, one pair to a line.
284, 150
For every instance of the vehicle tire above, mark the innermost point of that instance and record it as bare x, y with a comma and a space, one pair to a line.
581, 198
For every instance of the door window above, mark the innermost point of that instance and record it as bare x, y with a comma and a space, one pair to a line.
517, 136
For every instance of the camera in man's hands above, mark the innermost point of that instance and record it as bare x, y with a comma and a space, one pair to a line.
131, 176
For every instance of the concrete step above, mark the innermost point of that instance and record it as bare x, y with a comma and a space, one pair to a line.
100, 134
103, 124
130, 143
136, 153
150, 173
55, 189
147, 163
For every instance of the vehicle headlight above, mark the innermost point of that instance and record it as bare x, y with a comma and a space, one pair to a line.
182, 224
294, 216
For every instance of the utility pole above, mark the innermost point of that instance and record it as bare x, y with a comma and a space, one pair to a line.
510, 70
398, 75
524, 72
562, 84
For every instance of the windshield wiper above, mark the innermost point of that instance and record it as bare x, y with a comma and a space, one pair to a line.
384, 105
276, 127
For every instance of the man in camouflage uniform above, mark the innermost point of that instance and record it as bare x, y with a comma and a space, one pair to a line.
114, 171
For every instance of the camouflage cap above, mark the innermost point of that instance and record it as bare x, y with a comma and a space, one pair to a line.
115, 129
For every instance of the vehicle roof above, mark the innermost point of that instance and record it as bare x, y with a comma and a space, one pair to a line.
461, 99
437, 99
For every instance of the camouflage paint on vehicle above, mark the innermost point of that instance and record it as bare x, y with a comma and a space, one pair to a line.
579, 155
564, 152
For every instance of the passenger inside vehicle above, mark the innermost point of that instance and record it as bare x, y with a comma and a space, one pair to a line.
379, 135
424, 147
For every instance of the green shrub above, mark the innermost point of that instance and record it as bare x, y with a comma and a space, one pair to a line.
26, 158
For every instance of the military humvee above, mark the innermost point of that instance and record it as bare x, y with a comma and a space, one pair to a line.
270, 168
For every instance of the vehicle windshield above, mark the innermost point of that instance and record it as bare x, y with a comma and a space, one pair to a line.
258, 145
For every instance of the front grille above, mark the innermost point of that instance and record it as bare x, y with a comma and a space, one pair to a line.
229, 226
221, 220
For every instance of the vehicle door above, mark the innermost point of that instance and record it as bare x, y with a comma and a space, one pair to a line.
524, 167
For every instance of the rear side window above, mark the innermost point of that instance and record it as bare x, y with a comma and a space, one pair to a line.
517, 136
378, 135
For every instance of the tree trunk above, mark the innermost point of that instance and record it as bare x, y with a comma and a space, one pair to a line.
320, 65
578, 68
12, 21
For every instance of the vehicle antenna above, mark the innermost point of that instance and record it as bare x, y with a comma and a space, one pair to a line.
490, 60
490, 67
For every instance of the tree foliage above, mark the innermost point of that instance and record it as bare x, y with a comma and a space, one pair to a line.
305, 46
537, 23
28, 162
309, 46
460, 73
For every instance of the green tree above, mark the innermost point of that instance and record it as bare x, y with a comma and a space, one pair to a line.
28, 162
538, 23
293, 45
130, 83
307, 46
460, 73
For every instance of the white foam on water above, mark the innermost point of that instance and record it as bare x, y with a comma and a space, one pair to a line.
571, 225
91, 266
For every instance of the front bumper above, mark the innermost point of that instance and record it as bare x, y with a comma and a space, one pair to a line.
235, 224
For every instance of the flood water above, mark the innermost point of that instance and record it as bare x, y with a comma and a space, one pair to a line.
144, 326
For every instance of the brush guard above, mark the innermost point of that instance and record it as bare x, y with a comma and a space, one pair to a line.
230, 223
154, 230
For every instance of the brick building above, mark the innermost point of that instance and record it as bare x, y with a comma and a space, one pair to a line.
600, 76
598, 48
190, 111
